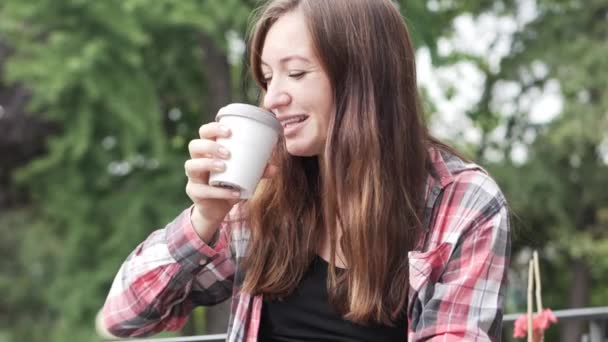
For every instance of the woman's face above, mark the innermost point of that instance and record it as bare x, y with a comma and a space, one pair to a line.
298, 89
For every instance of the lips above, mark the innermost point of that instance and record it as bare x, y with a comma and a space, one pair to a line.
290, 120
292, 124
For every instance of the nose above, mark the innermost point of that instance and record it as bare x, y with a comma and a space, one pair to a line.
276, 97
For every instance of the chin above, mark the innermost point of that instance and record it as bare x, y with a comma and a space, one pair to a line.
302, 149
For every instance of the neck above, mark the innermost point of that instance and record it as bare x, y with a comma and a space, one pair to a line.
321, 161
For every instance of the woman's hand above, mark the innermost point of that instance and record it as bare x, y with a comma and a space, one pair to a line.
211, 204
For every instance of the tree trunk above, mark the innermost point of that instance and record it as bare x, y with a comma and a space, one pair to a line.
217, 68
22, 136
579, 297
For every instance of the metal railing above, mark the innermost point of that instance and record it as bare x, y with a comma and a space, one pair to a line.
200, 338
597, 318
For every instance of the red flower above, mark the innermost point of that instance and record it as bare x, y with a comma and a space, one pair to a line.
540, 323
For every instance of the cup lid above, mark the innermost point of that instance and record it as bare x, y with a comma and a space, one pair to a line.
251, 112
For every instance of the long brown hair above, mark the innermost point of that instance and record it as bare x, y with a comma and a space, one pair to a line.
375, 165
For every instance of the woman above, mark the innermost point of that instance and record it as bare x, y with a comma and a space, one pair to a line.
365, 229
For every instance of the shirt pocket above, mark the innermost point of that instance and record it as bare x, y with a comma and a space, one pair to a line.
425, 267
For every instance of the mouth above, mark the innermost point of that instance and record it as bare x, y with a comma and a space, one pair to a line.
293, 120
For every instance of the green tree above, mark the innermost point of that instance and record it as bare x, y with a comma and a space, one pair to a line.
557, 191
128, 83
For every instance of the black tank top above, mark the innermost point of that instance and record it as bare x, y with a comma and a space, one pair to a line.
306, 315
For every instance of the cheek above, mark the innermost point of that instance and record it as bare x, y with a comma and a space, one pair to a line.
327, 111
328, 101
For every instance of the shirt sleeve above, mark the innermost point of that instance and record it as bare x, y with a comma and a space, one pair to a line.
165, 277
465, 301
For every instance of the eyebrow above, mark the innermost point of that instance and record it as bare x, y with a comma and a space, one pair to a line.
287, 59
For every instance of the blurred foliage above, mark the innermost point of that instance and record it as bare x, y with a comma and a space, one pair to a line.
129, 84
557, 192
125, 81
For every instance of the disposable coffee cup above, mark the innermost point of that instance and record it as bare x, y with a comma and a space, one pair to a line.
255, 132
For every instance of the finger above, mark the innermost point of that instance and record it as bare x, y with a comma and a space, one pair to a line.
199, 168
205, 148
270, 171
213, 130
198, 192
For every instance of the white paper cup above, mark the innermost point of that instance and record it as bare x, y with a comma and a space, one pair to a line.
255, 132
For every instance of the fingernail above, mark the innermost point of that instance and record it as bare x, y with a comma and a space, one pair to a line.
219, 166
236, 194
225, 129
223, 152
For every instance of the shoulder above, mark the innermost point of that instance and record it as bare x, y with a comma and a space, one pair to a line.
470, 202
466, 183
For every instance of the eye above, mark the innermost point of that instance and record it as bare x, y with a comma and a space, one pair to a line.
266, 79
297, 74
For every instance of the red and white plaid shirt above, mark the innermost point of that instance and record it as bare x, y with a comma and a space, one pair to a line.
457, 272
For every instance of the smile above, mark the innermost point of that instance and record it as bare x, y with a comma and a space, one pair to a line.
293, 120
293, 123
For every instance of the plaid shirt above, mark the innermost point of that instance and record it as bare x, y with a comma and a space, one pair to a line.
457, 272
